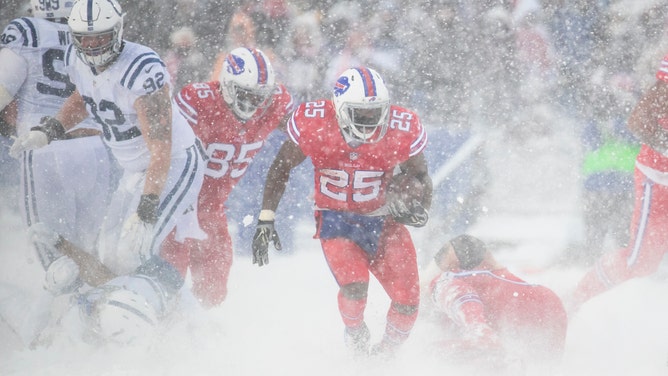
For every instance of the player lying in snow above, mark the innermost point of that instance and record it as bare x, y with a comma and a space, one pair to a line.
491, 313
101, 306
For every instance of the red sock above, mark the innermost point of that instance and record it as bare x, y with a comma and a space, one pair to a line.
399, 324
352, 311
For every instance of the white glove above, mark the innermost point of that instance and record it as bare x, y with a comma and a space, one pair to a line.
41, 234
61, 276
136, 239
29, 141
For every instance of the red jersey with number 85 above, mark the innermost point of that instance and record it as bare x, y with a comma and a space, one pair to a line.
347, 178
230, 143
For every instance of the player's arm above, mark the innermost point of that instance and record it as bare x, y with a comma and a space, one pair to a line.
417, 166
283, 123
410, 192
73, 111
154, 113
91, 270
8, 119
13, 72
288, 157
60, 274
289, 106
644, 118
52, 128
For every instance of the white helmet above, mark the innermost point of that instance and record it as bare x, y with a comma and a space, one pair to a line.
102, 19
51, 9
362, 104
124, 316
247, 81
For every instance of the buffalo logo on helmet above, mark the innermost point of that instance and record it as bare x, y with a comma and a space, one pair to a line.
341, 86
235, 64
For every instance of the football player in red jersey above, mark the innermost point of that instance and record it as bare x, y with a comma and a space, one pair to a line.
647, 245
232, 117
493, 314
355, 141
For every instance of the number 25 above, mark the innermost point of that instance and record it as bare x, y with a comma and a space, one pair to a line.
365, 184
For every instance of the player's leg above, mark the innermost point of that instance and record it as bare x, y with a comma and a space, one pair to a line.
121, 206
349, 266
176, 253
620, 214
395, 267
41, 192
178, 201
67, 187
94, 181
176, 210
646, 245
211, 261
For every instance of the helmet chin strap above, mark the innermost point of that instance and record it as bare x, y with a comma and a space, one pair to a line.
353, 142
99, 68
241, 113
246, 107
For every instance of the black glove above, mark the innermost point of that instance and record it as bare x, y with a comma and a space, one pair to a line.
412, 214
264, 233
147, 210
53, 128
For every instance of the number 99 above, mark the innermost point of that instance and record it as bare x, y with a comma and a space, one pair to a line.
49, 4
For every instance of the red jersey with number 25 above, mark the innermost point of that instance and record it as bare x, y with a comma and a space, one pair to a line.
230, 143
347, 178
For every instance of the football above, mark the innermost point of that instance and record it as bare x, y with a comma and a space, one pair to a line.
405, 187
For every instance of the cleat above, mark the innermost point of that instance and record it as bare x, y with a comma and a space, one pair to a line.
383, 350
357, 339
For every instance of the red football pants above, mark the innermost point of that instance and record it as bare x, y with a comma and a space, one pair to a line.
395, 268
647, 245
209, 260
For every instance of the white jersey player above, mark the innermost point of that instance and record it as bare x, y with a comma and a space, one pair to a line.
67, 183
125, 87
131, 99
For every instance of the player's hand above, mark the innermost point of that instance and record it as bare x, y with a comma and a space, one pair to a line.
264, 233
147, 210
136, 238
62, 276
29, 141
411, 214
137, 233
41, 234
49, 129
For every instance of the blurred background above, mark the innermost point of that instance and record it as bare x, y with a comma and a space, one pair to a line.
525, 103
542, 85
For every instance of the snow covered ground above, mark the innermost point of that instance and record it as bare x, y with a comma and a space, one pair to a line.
282, 319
